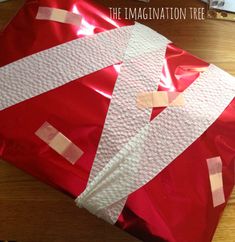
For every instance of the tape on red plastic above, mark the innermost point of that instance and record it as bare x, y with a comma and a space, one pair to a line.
194, 69
59, 15
59, 143
216, 180
159, 99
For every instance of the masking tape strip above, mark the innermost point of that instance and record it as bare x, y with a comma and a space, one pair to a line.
194, 69
216, 180
58, 15
159, 99
217, 3
59, 143
54, 67
160, 142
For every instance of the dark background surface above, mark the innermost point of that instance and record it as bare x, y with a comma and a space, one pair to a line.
31, 211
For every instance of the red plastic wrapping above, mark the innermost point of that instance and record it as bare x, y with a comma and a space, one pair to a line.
177, 204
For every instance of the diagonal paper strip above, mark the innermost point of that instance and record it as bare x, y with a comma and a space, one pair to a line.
54, 67
59, 143
165, 138
216, 180
159, 99
141, 70
59, 15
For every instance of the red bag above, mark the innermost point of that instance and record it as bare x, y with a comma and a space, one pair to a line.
174, 206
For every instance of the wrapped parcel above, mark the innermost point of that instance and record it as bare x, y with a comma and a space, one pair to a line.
137, 130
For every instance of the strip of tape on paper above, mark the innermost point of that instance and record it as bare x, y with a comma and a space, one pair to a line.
159, 99
216, 180
59, 143
59, 15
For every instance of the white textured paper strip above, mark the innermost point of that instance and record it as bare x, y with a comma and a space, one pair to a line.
141, 70
46, 70
159, 143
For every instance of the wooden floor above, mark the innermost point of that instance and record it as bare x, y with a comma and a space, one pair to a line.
34, 212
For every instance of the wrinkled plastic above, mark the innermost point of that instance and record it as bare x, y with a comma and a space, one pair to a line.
177, 204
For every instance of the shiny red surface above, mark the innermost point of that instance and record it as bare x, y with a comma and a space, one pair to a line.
177, 204
83, 103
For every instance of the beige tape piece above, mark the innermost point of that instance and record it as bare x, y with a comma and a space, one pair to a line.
59, 143
59, 15
216, 180
159, 99
194, 69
